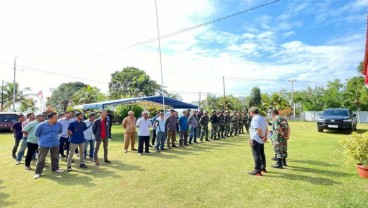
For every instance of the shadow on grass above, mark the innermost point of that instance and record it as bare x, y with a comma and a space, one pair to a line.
71, 179
361, 131
313, 162
119, 165
3, 198
309, 179
319, 171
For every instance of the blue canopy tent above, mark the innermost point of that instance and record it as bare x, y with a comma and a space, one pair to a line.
154, 99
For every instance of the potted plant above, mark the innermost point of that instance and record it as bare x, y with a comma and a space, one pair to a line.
356, 147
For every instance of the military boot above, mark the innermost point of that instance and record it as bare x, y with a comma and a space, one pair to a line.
278, 164
274, 158
284, 162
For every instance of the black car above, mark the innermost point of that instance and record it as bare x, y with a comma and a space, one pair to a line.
337, 119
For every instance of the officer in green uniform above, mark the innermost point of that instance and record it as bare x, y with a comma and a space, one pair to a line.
234, 124
245, 120
240, 117
214, 125
199, 116
221, 123
280, 135
203, 122
227, 123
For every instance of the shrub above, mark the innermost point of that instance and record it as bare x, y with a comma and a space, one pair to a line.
121, 111
356, 147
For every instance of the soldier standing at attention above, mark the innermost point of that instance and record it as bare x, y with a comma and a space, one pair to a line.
204, 126
227, 123
245, 122
199, 116
234, 124
221, 123
240, 117
214, 125
281, 133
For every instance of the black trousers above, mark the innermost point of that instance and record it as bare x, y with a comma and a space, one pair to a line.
16, 144
259, 156
32, 148
153, 136
143, 140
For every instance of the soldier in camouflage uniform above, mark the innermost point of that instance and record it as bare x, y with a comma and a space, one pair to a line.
204, 126
199, 116
245, 121
214, 126
227, 124
221, 123
280, 135
240, 117
234, 124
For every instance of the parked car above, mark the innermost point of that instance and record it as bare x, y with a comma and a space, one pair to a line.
7, 119
337, 119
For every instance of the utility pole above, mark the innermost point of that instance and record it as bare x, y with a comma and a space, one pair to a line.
199, 101
223, 85
2, 95
292, 95
159, 50
14, 85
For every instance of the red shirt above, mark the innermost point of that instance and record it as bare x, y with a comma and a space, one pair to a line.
103, 129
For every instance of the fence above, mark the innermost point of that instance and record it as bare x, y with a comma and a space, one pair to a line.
362, 116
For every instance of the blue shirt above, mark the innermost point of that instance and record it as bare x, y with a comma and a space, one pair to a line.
77, 129
160, 125
258, 122
48, 134
183, 123
65, 123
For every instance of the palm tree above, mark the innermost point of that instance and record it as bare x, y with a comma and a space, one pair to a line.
87, 95
21, 96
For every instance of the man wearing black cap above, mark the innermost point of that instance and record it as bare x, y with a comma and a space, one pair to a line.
171, 124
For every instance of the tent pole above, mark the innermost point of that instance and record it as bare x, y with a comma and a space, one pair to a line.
159, 50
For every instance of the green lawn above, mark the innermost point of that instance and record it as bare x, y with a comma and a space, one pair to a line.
205, 175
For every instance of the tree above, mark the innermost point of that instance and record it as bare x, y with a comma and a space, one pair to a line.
87, 95
255, 98
360, 68
333, 94
28, 105
61, 97
21, 96
121, 111
131, 82
356, 94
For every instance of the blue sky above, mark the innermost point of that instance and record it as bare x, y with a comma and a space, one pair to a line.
312, 41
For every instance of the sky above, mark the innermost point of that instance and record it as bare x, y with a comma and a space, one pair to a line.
310, 41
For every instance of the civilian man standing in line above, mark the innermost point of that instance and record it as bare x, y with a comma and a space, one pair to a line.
48, 140
143, 125
89, 136
183, 129
193, 124
101, 131
130, 130
75, 132
160, 132
64, 138
23, 146
18, 134
32, 140
170, 125
258, 134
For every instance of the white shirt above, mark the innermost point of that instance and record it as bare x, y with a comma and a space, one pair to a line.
65, 123
143, 127
258, 122
161, 125
88, 133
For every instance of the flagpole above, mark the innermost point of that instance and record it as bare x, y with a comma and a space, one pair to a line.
159, 50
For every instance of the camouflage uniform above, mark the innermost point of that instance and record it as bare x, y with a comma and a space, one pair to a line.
227, 123
240, 117
204, 126
199, 116
279, 141
214, 125
221, 123
245, 122
234, 124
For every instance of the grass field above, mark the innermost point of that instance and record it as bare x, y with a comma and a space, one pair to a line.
205, 175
